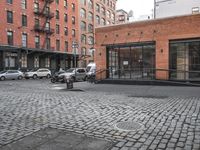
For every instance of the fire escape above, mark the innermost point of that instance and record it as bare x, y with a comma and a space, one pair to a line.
45, 28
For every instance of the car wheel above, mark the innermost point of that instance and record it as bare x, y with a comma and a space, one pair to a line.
2, 78
48, 76
85, 78
34, 76
20, 77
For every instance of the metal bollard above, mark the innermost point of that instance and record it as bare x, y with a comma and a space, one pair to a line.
69, 82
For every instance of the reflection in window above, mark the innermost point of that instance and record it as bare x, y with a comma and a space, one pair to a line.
185, 60
132, 62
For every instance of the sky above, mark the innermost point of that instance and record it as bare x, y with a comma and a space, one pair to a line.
139, 7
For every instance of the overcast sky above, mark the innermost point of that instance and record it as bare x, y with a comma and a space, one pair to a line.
139, 7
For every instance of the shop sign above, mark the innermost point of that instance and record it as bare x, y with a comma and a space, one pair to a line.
11, 54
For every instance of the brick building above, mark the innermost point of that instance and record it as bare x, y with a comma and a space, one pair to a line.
165, 49
93, 13
38, 33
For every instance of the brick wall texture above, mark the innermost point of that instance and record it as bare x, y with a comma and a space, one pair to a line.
160, 30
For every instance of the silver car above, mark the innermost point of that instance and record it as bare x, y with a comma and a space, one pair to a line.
11, 74
74, 74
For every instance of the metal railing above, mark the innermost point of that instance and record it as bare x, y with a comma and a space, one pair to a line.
148, 74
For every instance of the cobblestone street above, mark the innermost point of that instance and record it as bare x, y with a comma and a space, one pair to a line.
169, 116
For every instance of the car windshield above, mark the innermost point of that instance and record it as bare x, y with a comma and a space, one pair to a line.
70, 70
1, 72
33, 70
88, 68
60, 72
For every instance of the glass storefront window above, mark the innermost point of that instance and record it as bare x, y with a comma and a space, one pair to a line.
185, 60
131, 62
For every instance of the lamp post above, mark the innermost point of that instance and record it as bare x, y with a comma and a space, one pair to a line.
74, 47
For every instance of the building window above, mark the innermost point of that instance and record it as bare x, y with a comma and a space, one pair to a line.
97, 8
36, 7
48, 43
195, 10
108, 13
103, 11
24, 20
73, 33
58, 45
83, 26
65, 17
83, 13
10, 37
36, 62
66, 46
103, 21
9, 1
24, 60
73, 7
90, 4
83, 51
73, 20
37, 42
9, 16
66, 31
24, 40
47, 62
57, 29
23, 4
57, 14
114, 6
97, 20
184, 60
65, 3
122, 61
90, 16
90, 40
47, 26
47, 10
90, 28
83, 39
83, 2
37, 22
57, 2
108, 2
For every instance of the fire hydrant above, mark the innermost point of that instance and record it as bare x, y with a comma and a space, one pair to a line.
69, 82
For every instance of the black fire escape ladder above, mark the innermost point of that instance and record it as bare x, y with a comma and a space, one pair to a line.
48, 15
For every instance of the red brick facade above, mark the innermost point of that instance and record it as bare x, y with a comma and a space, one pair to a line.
18, 29
64, 52
161, 31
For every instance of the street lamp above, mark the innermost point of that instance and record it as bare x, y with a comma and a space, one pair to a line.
74, 47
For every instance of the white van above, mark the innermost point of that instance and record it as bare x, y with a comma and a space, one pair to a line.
91, 69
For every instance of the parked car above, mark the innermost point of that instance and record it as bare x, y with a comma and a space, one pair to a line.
11, 74
38, 73
75, 74
91, 70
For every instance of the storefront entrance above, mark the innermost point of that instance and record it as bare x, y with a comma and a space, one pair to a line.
185, 60
135, 61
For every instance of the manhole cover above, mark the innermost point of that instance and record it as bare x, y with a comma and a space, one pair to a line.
128, 126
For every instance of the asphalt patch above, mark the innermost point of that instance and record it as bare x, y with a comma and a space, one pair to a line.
55, 139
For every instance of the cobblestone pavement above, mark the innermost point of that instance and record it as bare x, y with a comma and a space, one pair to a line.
170, 116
